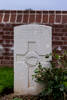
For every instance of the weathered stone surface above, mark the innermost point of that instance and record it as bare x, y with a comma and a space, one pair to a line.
31, 43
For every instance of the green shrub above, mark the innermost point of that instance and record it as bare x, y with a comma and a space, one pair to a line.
6, 80
54, 78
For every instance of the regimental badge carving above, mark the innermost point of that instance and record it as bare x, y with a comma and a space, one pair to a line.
32, 58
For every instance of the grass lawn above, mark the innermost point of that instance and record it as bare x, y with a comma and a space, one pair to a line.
6, 80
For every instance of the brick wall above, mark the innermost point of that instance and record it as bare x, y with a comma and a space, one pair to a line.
9, 19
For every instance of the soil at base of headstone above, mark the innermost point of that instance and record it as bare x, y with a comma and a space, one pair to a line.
12, 97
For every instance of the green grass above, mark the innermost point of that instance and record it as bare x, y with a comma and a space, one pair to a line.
6, 80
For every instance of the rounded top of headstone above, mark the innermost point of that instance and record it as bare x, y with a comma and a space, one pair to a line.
33, 25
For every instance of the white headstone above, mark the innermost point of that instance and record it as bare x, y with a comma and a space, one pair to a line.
31, 43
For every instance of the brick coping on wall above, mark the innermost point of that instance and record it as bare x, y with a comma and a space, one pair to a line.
30, 16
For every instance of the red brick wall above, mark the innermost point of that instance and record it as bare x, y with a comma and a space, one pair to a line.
9, 19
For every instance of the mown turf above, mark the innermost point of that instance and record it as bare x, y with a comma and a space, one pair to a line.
6, 80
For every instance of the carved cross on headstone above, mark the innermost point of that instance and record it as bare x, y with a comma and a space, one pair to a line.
31, 60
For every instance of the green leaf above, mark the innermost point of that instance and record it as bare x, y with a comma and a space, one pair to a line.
57, 56
36, 70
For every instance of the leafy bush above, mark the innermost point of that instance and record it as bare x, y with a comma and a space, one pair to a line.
6, 80
54, 78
